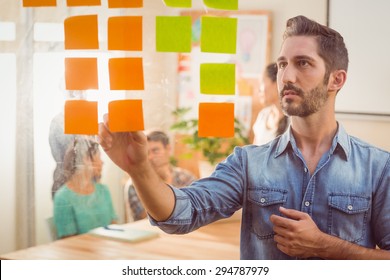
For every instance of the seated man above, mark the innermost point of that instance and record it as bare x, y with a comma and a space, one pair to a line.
159, 152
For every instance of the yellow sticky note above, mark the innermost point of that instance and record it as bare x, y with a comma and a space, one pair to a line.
125, 3
81, 117
216, 120
81, 73
173, 33
81, 32
218, 78
73, 3
126, 73
219, 34
125, 33
39, 3
224, 4
178, 3
125, 115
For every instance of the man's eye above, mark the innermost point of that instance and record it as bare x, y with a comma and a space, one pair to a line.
303, 63
282, 65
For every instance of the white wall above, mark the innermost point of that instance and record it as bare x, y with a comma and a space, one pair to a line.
366, 36
7, 151
372, 129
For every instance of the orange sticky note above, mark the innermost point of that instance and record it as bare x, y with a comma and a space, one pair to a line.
72, 3
125, 115
81, 117
81, 73
126, 73
125, 33
216, 120
125, 3
39, 3
81, 32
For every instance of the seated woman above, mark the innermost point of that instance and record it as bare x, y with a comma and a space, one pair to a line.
82, 203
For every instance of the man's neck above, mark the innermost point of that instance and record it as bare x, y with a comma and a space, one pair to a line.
314, 136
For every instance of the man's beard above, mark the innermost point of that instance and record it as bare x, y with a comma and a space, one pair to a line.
311, 103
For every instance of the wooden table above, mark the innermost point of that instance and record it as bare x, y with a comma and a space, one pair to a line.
217, 241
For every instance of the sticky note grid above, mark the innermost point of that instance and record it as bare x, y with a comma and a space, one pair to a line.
125, 33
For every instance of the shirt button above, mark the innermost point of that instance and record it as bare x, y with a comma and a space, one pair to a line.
350, 207
262, 200
307, 203
305, 169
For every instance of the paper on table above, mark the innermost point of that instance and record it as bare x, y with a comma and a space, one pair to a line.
127, 234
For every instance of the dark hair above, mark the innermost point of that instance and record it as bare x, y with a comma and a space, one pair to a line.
272, 71
158, 136
331, 46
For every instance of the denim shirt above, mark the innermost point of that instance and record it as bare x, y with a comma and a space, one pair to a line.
347, 196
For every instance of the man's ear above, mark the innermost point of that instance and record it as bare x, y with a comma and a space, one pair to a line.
337, 80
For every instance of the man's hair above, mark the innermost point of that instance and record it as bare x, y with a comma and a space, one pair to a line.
158, 136
272, 71
331, 46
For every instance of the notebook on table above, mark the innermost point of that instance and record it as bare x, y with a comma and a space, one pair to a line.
121, 233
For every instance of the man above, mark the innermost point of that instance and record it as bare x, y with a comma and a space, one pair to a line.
314, 192
159, 155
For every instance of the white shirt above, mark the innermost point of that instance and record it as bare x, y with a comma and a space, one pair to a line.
266, 125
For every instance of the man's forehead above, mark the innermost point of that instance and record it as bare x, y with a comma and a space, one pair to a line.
155, 144
299, 46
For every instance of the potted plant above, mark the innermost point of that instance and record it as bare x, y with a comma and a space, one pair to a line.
212, 149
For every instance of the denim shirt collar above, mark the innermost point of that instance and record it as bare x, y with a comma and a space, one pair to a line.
341, 140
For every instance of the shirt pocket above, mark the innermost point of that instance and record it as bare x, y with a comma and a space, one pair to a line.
348, 216
264, 202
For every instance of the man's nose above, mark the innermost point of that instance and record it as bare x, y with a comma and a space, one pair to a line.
287, 75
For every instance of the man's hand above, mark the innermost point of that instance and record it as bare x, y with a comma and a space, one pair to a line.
128, 150
296, 234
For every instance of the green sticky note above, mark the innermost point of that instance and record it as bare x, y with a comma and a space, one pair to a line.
178, 3
173, 33
219, 34
222, 4
218, 78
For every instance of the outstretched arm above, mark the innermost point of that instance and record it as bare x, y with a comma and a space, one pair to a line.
297, 235
129, 150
